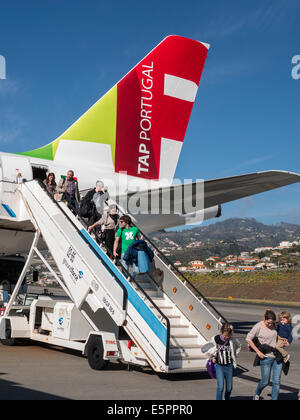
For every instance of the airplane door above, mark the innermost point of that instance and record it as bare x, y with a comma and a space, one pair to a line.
15, 168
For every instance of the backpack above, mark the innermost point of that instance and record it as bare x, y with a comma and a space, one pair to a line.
143, 262
84, 210
86, 206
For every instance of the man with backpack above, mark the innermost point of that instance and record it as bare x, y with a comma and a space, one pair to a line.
87, 208
125, 236
67, 190
92, 205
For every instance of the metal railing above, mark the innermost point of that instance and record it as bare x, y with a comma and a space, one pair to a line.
194, 290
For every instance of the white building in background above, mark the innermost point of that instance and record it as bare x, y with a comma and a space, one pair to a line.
286, 244
265, 248
221, 264
185, 269
244, 254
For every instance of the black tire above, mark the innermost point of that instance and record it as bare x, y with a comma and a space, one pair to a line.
8, 341
95, 353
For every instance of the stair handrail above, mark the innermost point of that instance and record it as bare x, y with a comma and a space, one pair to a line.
170, 264
197, 293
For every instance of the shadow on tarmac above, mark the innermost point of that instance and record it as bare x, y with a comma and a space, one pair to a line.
185, 376
14, 391
282, 397
240, 372
291, 394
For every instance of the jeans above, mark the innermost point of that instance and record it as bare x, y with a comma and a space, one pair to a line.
224, 373
72, 203
135, 269
266, 366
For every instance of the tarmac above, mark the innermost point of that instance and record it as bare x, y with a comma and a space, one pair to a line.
39, 372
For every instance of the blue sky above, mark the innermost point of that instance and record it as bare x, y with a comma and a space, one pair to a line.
62, 56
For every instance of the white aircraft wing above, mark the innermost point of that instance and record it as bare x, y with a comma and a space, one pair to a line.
223, 190
195, 202
188, 198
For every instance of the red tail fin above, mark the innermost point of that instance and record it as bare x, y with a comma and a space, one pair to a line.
154, 103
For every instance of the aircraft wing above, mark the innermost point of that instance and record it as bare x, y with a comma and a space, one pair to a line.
223, 190
188, 198
192, 203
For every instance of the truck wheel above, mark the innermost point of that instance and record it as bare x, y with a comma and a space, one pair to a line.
8, 341
95, 353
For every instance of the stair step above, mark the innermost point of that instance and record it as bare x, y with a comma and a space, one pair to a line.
147, 286
164, 307
183, 336
187, 364
186, 350
153, 292
182, 326
189, 369
142, 279
174, 320
188, 347
183, 340
187, 358
166, 310
161, 303
179, 329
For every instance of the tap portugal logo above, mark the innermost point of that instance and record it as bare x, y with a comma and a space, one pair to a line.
145, 118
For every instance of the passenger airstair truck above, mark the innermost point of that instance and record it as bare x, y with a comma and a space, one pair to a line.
108, 315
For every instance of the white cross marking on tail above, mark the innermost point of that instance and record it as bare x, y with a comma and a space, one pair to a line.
180, 88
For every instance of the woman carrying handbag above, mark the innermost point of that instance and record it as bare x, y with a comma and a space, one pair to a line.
224, 349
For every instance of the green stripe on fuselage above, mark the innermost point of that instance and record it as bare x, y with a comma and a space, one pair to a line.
45, 152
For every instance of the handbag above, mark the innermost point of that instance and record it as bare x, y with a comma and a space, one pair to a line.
211, 368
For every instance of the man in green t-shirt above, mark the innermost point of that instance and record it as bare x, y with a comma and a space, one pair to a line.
129, 235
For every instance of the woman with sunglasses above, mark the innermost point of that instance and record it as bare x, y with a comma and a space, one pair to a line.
266, 333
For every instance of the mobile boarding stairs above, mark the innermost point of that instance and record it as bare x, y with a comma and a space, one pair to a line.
153, 319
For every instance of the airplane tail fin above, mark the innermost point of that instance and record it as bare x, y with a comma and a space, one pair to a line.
140, 124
